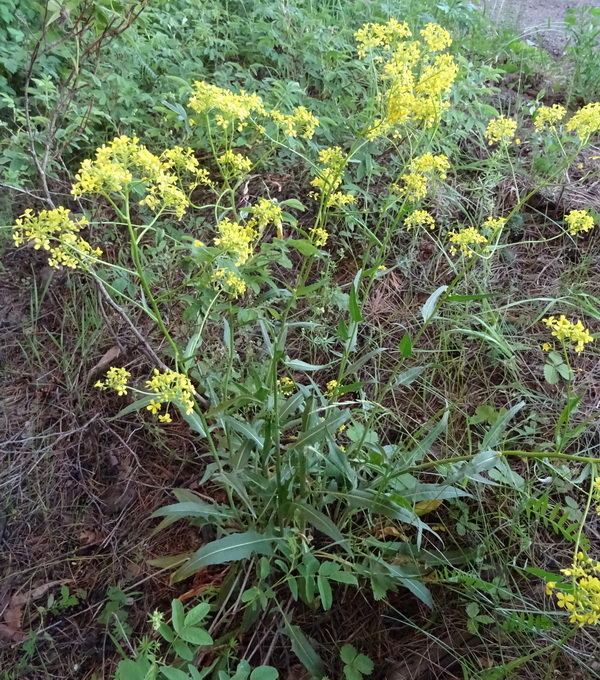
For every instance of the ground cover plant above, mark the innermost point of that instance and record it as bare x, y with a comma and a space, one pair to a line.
300, 354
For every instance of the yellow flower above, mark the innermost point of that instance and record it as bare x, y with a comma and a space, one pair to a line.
55, 232
300, 122
198, 244
494, 224
546, 347
419, 218
115, 379
436, 37
579, 221
380, 35
165, 418
230, 109
550, 586
170, 386
586, 121
236, 239
267, 212
330, 177
583, 602
286, 385
235, 163
318, 236
416, 79
467, 240
549, 116
565, 330
125, 163
230, 282
331, 388
500, 130
154, 407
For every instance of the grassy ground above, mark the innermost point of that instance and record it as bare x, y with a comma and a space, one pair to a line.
82, 566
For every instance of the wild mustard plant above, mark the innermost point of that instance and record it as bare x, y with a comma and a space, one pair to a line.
579, 221
57, 233
582, 600
548, 116
501, 130
276, 444
567, 331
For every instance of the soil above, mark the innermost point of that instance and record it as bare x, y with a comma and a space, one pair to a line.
542, 19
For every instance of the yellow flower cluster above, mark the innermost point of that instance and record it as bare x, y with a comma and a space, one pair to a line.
548, 116
465, 241
229, 281
494, 224
583, 602
236, 111
55, 232
236, 239
235, 163
231, 110
115, 379
380, 35
500, 130
416, 78
266, 212
286, 385
125, 161
436, 37
183, 161
319, 236
301, 122
419, 218
422, 168
331, 388
330, 177
170, 386
565, 330
579, 221
586, 121
596, 494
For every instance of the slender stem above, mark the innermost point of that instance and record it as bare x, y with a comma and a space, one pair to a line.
135, 254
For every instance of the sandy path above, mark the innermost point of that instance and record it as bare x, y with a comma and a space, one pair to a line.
544, 17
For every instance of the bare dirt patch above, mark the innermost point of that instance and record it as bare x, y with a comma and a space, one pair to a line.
544, 19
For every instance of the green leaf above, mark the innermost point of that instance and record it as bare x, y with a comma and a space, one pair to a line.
405, 346
412, 583
244, 429
407, 377
133, 670
264, 673
195, 508
472, 609
363, 664
304, 650
551, 374
325, 592
196, 636
197, 614
428, 309
492, 436
299, 365
174, 673
183, 650
178, 615
303, 246
321, 522
348, 653
228, 549
355, 313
